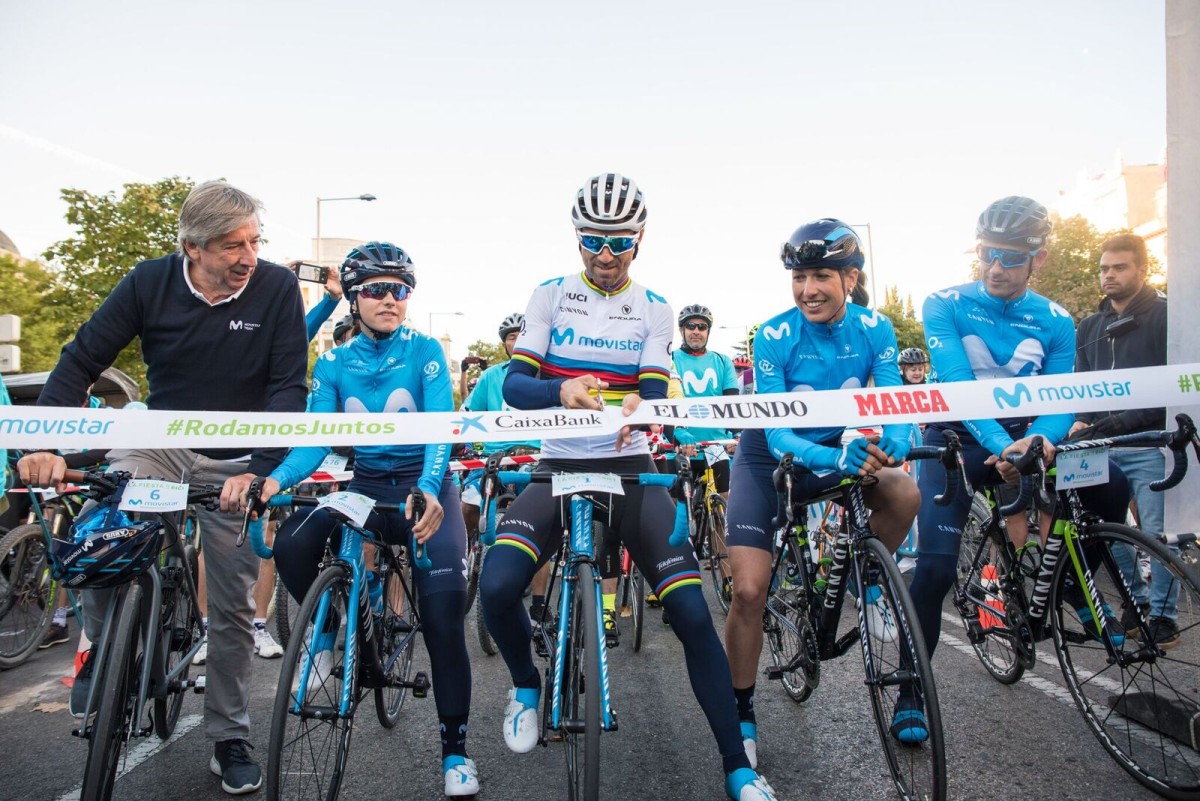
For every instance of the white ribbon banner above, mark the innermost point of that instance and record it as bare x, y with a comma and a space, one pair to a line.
1145, 387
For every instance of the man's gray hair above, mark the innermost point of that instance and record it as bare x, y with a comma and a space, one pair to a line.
214, 209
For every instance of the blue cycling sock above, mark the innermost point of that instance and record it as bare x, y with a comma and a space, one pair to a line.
745, 703
454, 735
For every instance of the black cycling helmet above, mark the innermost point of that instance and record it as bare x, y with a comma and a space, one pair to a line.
695, 310
343, 326
1015, 220
512, 322
374, 259
913, 356
823, 243
108, 549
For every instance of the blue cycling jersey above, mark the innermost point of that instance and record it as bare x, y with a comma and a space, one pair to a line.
973, 335
703, 376
404, 373
793, 355
488, 396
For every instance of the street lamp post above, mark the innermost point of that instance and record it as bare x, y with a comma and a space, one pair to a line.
432, 314
871, 255
321, 200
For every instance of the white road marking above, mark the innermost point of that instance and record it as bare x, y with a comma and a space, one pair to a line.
143, 751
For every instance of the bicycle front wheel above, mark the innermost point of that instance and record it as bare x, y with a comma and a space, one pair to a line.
637, 602
118, 696
581, 692
1137, 696
474, 565
180, 630
310, 735
899, 677
397, 640
994, 623
26, 605
718, 556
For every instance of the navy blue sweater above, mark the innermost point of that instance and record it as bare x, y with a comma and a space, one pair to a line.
248, 355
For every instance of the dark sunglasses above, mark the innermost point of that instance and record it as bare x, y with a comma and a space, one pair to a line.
696, 326
1009, 259
806, 254
381, 289
616, 244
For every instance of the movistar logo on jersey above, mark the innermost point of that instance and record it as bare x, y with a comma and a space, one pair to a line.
771, 333
603, 343
566, 336
698, 384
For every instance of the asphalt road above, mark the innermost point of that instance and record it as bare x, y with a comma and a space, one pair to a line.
1025, 741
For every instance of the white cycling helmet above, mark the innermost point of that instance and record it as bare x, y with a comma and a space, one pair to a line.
609, 202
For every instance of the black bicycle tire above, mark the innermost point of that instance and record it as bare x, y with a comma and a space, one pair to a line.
777, 621
638, 605
30, 536
583, 784
326, 580
718, 552
389, 701
283, 612
910, 637
1131, 536
166, 709
974, 548
119, 683
474, 566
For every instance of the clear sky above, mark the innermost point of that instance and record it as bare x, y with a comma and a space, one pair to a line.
474, 123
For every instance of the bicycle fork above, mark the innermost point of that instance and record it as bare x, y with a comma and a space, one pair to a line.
581, 543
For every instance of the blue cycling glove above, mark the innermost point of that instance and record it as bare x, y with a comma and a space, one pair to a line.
684, 437
853, 456
896, 448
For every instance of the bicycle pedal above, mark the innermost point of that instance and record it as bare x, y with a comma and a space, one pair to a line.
420, 687
197, 684
975, 632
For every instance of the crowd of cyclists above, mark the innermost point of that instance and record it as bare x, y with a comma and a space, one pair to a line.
823, 338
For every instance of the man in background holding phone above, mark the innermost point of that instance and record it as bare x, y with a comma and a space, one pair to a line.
1130, 330
333, 294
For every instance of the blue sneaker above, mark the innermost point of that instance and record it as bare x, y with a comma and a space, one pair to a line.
1114, 627
908, 722
462, 777
750, 741
746, 785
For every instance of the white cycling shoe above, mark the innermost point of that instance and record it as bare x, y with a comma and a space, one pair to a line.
880, 621
521, 720
462, 777
746, 785
318, 674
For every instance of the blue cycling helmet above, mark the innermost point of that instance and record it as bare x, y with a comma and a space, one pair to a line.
374, 259
109, 549
1015, 220
823, 243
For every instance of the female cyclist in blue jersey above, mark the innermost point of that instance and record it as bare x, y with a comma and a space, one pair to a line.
390, 368
824, 342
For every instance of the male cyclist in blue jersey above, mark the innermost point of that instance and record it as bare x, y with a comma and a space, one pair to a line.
823, 342
703, 373
994, 328
389, 368
589, 337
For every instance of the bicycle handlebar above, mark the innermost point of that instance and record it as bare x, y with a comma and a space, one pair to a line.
1029, 465
951, 458
254, 527
102, 485
488, 528
1177, 441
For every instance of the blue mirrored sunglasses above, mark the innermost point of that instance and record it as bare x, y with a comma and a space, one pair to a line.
616, 244
379, 290
1009, 259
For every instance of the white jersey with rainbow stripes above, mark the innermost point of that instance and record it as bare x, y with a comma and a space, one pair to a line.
573, 328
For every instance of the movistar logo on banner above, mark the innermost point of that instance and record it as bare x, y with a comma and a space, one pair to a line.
1062, 392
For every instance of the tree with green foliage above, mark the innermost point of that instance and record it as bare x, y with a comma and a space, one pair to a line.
113, 233
910, 333
1071, 274
24, 288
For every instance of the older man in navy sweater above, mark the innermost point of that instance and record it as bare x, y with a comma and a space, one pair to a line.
220, 330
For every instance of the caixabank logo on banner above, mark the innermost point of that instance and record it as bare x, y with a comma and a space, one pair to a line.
733, 410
